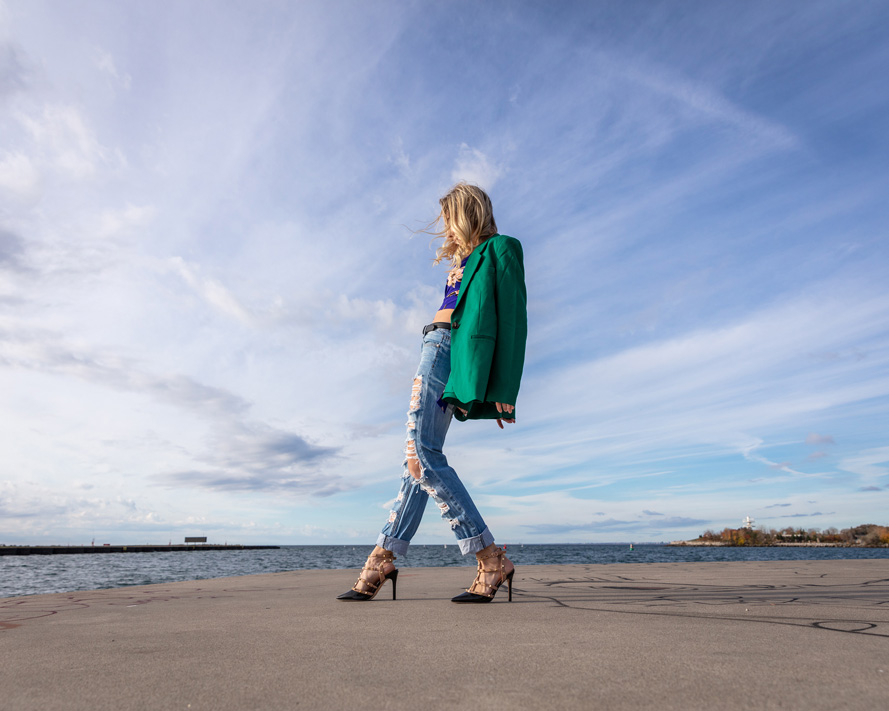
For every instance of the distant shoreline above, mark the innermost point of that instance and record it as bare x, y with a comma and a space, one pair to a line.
809, 544
865, 535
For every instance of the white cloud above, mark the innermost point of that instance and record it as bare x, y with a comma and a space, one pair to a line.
708, 394
115, 222
19, 176
63, 136
105, 63
401, 159
867, 464
475, 167
706, 102
211, 291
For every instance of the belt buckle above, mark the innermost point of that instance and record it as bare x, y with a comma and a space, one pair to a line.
434, 327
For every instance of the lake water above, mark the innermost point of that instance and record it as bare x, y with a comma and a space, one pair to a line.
34, 574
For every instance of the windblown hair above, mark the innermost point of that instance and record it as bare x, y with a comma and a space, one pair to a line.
467, 220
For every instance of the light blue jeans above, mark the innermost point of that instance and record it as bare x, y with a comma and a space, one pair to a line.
427, 426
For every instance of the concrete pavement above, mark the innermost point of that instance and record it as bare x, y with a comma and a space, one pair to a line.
789, 635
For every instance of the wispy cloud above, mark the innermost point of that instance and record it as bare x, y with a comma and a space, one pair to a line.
211, 291
870, 464
63, 137
47, 352
258, 458
677, 388
806, 515
105, 62
475, 167
614, 525
703, 103
19, 177
240, 454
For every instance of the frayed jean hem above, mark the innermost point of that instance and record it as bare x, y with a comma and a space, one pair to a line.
467, 545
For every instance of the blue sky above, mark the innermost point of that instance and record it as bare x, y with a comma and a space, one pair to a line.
211, 297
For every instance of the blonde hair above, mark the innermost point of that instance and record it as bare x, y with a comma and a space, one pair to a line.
467, 220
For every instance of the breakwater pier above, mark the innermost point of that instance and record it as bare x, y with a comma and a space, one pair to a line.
66, 550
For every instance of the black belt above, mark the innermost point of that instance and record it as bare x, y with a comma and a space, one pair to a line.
435, 325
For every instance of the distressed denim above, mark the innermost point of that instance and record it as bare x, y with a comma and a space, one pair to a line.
427, 426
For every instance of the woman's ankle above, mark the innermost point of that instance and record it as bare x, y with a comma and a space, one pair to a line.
485, 552
380, 556
493, 558
489, 551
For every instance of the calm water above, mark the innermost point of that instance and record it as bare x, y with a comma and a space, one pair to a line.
33, 574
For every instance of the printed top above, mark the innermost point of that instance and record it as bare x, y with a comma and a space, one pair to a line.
452, 287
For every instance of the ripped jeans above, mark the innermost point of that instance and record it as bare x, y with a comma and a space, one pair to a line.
427, 426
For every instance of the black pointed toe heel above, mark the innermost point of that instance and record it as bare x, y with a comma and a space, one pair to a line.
371, 588
487, 592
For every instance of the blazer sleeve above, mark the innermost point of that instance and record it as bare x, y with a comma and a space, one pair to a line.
511, 301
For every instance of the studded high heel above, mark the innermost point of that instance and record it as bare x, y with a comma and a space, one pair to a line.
371, 588
480, 591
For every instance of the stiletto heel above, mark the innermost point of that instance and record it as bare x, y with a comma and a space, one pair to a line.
371, 588
479, 582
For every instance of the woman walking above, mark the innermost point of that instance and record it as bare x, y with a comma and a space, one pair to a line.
470, 368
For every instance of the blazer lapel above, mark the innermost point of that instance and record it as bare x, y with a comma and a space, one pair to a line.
475, 259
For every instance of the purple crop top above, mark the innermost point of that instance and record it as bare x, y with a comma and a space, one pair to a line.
452, 287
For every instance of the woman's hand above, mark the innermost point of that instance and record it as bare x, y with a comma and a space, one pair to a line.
503, 408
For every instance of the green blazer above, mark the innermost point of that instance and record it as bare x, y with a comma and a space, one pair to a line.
489, 328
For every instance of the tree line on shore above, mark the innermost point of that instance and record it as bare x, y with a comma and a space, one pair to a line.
867, 535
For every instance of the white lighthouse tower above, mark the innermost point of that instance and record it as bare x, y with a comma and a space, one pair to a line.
748, 522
